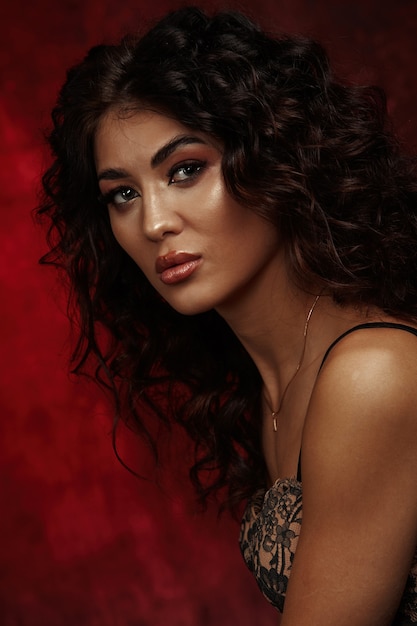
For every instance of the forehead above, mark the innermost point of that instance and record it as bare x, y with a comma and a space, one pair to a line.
145, 139
143, 130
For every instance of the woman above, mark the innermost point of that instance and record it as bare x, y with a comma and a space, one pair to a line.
239, 233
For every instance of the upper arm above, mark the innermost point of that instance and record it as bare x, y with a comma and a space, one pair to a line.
359, 465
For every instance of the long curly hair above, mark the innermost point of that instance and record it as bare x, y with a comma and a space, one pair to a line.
313, 155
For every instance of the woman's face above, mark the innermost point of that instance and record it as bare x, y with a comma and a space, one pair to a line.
170, 211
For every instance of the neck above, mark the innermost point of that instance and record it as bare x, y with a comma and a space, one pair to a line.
272, 331
276, 411
270, 323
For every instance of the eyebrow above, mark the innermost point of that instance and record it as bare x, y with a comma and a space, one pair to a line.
159, 157
166, 150
112, 174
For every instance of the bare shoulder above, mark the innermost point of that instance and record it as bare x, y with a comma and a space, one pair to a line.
359, 473
363, 412
370, 372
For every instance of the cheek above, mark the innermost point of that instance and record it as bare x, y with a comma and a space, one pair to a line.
248, 231
227, 219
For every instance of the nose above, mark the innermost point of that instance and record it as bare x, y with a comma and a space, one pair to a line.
159, 218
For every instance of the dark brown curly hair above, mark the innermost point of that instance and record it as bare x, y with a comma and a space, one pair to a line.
312, 155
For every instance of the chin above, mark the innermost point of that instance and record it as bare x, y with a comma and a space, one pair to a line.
190, 309
190, 306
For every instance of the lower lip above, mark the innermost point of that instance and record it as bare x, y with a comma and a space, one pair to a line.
178, 273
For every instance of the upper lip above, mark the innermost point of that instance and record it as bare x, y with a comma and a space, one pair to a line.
173, 258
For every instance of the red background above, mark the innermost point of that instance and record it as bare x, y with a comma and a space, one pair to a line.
82, 541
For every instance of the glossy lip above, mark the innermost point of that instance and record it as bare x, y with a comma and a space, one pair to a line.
173, 258
175, 267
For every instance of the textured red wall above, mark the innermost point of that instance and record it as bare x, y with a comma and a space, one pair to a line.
82, 541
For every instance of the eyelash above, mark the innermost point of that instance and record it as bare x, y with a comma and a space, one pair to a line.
108, 198
197, 167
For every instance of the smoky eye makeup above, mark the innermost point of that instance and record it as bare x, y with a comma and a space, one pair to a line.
118, 196
186, 171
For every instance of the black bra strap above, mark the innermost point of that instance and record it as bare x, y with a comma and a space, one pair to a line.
409, 329
299, 468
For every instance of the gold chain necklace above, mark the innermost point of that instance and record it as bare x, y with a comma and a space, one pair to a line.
274, 414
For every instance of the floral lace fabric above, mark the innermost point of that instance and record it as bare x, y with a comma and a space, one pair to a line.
269, 534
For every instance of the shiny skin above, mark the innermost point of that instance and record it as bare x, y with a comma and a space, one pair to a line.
181, 204
354, 419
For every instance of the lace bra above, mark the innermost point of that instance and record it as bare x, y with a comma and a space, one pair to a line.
271, 526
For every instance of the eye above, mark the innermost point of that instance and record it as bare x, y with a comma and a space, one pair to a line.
185, 172
119, 196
